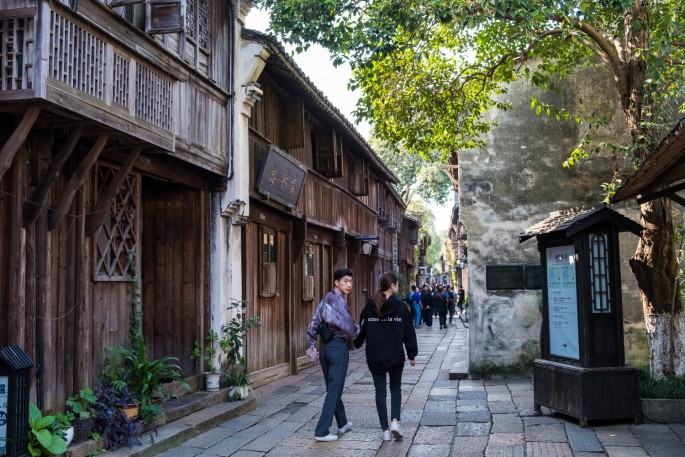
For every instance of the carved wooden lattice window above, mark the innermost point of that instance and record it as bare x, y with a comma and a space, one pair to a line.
116, 239
76, 56
16, 53
120, 83
269, 257
308, 273
154, 97
197, 22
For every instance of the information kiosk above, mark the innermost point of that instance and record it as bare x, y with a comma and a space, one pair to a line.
582, 372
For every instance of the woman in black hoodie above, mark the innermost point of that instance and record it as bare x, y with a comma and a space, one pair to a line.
387, 326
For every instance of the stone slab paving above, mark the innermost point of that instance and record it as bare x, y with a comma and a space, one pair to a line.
440, 417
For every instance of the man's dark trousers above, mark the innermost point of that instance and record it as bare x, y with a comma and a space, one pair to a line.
335, 358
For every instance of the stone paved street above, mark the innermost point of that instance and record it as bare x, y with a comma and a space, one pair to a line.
440, 417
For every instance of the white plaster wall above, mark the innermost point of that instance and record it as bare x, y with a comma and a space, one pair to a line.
515, 181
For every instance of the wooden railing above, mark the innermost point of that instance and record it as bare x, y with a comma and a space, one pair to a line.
96, 65
327, 203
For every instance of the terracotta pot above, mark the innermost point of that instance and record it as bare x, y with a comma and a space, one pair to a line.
131, 411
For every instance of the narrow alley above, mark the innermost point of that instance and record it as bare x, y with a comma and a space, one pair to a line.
440, 417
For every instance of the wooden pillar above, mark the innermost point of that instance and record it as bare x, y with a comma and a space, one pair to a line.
17, 254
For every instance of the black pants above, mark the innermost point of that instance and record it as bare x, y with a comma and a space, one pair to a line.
428, 316
442, 315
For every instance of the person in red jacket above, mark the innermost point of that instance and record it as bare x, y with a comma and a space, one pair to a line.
388, 329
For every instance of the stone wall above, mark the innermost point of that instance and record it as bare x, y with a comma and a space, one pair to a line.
516, 180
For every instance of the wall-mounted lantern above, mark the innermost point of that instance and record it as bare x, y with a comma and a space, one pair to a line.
366, 248
15, 370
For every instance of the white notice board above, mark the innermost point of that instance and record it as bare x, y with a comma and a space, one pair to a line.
562, 302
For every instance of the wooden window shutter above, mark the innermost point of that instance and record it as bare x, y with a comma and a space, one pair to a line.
339, 158
308, 273
327, 152
359, 180
292, 123
164, 16
269, 259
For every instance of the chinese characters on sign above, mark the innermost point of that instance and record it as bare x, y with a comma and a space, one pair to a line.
282, 177
4, 387
562, 302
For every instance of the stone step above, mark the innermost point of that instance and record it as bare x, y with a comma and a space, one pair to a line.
181, 419
459, 370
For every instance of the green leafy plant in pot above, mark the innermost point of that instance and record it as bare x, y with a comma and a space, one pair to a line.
145, 378
208, 353
63, 426
232, 337
81, 407
43, 440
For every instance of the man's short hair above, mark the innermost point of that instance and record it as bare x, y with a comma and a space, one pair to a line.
342, 272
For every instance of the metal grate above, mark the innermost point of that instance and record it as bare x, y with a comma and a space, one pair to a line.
76, 56
599, 273
116, 238
16, 53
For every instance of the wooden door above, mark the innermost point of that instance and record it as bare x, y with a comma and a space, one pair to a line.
267, 269
174, 272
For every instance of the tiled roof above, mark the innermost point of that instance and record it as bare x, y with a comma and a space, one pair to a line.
574, 220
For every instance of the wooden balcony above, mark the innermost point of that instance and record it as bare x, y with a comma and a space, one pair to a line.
329, 205
93, 67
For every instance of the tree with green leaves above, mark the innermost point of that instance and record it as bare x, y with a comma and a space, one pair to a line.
430, 69
419, 176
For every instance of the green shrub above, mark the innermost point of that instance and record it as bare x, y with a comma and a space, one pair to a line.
673, 388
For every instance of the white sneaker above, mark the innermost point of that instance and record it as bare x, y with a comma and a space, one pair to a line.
329, 437
387, 436
395, 430
345, 428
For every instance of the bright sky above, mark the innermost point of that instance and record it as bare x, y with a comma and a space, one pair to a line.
332, 81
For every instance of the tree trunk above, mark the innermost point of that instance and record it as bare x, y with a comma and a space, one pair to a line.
655, 267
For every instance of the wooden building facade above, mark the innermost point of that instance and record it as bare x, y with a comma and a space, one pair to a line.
320, 199
115, 134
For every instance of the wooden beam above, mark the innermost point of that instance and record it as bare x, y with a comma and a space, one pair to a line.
60, 207
678, 199
36, 204
10, 148
97, 215
662, 193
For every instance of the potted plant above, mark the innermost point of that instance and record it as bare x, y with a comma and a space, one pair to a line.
117, 426
83, 421
42, 439
145, 378
232, 336
211, 348
63, 426
233, 333
239, 382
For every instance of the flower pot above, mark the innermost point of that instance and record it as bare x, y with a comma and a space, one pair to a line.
238, 392
131, 411
83, 428
69, 435
212, 381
